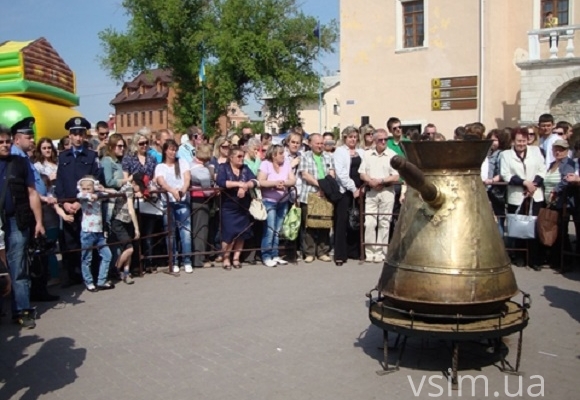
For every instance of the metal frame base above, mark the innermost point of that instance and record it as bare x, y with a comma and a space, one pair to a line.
456, 328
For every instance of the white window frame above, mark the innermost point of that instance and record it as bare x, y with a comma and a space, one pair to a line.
400, 26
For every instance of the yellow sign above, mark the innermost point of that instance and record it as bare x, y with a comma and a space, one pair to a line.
435, 105
435, 82
435, 94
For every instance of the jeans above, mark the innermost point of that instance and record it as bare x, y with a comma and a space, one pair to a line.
16, 245
181, 213
271, 235
90, 239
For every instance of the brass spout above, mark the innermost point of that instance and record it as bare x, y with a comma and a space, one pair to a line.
415, 178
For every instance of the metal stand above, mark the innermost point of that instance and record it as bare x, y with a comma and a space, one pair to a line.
455, 328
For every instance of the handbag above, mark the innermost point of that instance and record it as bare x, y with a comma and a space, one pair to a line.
257, 208
354, 216
319, 212
547, 226
521, 226
291, 224
498, 194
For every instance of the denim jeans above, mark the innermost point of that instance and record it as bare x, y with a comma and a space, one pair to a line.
16, 245
271, 236
181, 213
90, 239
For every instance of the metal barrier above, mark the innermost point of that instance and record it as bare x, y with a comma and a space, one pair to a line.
169, 232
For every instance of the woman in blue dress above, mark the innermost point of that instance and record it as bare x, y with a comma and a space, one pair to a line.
236, 222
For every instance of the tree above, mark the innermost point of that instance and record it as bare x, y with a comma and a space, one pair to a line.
257, 127
249, 47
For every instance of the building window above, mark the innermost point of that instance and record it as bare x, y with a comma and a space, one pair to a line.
413, 27
128, 120
560, 9
150, 117
143, 122
160, 116
136, 119
122, 120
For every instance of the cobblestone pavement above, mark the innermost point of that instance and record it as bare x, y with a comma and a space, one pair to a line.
292, 332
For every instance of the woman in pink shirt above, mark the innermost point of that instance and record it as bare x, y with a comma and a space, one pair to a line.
275, 177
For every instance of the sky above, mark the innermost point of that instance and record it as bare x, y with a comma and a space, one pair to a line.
72, 27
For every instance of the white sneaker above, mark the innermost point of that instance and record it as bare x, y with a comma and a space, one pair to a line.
270, 263
280, 261
176, 268
188, 268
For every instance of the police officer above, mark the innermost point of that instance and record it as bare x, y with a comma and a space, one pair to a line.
73, 164
21, 209
22, 144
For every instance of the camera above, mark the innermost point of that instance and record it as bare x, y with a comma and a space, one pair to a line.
42, 245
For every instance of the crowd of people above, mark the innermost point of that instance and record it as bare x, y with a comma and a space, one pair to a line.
102, 196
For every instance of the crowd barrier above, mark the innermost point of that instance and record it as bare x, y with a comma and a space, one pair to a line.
164, 210
213, 249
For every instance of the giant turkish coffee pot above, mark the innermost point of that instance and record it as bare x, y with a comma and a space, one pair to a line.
446, 256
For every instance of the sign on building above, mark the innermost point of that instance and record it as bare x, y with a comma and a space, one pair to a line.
456, 93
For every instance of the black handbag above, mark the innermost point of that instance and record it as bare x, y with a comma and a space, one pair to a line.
354, 216
498, 194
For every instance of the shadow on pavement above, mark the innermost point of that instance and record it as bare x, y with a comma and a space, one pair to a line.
432, 354
567, 300
52, 367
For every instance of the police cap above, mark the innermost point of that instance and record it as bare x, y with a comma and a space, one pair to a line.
77, 123
25, 126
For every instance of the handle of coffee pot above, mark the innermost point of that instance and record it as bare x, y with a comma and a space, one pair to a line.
415, 178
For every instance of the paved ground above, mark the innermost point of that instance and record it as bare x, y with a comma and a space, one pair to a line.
295, 332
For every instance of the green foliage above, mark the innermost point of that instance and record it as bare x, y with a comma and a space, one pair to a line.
249, 46
257, 127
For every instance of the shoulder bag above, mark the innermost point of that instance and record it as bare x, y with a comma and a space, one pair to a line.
547, 226
257, 208
291, 224
319, 212
521, 226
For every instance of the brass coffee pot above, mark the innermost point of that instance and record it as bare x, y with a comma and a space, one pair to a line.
446, 255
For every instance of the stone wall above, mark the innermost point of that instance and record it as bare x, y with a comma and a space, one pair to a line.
543, 83
566, 104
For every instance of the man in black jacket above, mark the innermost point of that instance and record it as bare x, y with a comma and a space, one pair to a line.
73, 164
21, 209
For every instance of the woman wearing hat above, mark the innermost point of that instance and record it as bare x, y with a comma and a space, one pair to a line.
555, 191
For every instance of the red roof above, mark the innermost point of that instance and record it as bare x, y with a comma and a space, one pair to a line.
148, 80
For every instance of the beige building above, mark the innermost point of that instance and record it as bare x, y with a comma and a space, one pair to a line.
314, 118
452, 62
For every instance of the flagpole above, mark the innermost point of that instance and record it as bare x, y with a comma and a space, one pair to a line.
203, 107
319, 83
201, 77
